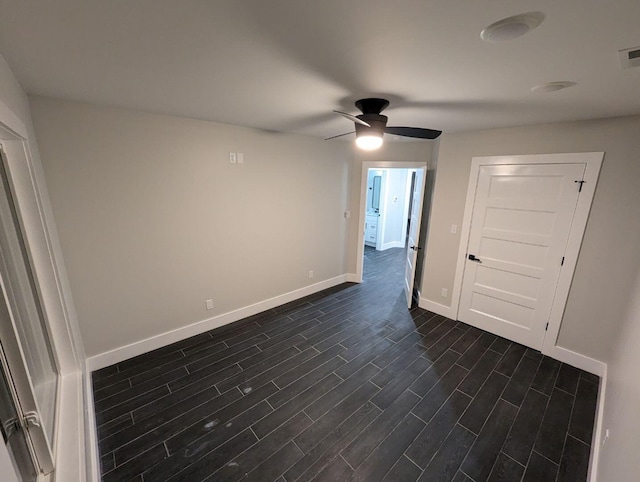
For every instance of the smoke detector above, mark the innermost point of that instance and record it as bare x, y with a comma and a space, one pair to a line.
512, 27
630, 58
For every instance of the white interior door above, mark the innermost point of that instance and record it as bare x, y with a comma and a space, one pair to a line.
23, 334
414, 232
520, 226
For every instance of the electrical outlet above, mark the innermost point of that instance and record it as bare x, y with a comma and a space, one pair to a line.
454, 228
240, 158
444, 293
209, 304
347, 214
233, 158
310, 274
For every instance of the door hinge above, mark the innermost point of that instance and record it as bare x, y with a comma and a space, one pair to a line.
10, 427
546, 327
562, 262
581, 183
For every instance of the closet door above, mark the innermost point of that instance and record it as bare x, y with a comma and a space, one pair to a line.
30, 366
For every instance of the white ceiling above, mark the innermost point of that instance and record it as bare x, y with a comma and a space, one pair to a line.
283, 65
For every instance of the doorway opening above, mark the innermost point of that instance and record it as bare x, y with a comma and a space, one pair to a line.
390, 215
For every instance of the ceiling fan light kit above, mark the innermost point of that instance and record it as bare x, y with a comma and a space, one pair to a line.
369, 142
512, 27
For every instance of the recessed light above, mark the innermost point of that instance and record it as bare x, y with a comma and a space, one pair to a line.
552, 86
512, 27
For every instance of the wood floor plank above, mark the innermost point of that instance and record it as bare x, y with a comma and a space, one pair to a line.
506, 470
439, 394
404, 470
305, 382
145, 434
518, 386
335, 417
555, 424
575, 460
258, 453
223, 415
337, 469
330, 446
525, 428
385, 456
369, 438
428, 442
333, 397
482, 405
486, 449
584, 411
446, 462
206, 444
293, 406
540, 469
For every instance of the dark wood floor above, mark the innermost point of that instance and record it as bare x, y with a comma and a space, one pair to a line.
346, 384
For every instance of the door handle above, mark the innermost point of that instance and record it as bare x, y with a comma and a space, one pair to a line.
472, 257
415, 248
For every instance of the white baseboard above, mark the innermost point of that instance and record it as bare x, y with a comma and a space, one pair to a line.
70, 463
353, 278
437, 308
597, 433
577, 360
143, 346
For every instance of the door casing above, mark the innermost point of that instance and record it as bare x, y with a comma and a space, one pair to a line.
593, 161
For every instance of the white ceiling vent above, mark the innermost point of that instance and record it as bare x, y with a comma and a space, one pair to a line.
630, 58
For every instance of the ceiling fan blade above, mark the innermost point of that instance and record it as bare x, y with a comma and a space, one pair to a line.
339, 135
417, 132
352, 118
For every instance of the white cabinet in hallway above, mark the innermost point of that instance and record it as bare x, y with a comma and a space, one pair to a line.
371, 229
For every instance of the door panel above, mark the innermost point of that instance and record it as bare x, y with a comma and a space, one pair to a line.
519, 230
414, 233
23, 332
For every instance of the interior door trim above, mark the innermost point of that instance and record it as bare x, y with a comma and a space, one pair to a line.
593, 161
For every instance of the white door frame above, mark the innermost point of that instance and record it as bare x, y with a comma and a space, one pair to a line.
366, 165
593, 161
76, 458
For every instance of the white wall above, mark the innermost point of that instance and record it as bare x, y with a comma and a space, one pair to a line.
154, 220
609, 255
619, 459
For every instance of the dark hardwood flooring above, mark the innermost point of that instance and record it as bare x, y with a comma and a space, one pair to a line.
346, 384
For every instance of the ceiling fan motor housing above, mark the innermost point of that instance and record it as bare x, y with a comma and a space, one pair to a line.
372, 105
377, 122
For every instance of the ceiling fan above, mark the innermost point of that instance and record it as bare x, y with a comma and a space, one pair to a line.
371, 125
